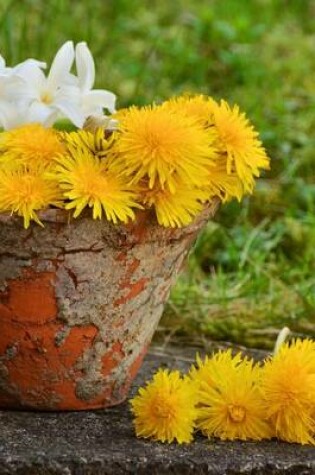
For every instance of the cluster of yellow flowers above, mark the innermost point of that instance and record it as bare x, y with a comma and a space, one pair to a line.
172, 158
231, 397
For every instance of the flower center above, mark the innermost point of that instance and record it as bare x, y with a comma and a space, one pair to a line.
164, 408
236, 413
46, 97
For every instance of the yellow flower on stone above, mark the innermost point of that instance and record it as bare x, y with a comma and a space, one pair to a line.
164, 409
178, 208
288, 387
230, 402
30, 144
87, 181
239, 141
154, 143
25, 191
209, 369
199, 107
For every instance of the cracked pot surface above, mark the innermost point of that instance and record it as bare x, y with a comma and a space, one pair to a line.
79, 303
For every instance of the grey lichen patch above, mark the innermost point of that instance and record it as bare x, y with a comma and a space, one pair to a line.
64, 310
91, 384
11, 351
47, 401
89, 389
6, 386
106, 367
85, 287
11, 267
46, 265
61, 336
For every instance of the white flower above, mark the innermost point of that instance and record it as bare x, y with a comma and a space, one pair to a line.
27, 95
93, 101
11, 87
56, 95
15, 114
22, 68
4, 70
12, 84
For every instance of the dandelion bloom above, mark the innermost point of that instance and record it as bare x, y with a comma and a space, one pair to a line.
178, 208
198, 106
25, 191
288, 387
30, 144
229, 400
93, 142
164, 410
162, 146
87, 181
238, 140
222, 184
210, 368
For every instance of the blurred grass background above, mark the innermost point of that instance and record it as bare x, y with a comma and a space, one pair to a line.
252, 270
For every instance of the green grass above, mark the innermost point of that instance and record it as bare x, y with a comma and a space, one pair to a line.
253, 268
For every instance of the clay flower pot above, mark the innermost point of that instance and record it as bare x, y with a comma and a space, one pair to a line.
79, 303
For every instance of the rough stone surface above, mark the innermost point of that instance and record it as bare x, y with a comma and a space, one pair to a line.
103, 443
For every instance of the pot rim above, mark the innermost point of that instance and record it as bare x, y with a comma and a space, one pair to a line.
145, 219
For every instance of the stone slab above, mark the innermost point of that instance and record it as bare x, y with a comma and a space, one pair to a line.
103, 443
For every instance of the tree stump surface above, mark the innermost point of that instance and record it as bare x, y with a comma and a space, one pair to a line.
103, 442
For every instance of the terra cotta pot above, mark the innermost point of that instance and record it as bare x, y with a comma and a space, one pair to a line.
79, 303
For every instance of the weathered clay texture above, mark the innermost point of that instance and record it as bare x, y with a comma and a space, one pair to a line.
79, 303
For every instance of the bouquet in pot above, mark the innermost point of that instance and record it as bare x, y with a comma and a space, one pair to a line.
80, 299
170, 158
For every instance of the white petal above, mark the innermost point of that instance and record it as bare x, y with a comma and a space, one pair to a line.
99, 98
85, 66
2, 64
71, 80
12, 115
61, 65
71, 111
92, 111
33, 75
15, 114
69, 93
29, 63
13, 88
41, 113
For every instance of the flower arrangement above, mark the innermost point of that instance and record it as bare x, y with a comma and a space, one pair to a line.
171, 158
231, 397
83, 297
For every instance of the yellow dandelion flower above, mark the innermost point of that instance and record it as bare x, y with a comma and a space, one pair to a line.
210, 368
86, 180
175, 209
155, 143
239, 141
198, 106
25, 191
164, 409
220, 183
288, 387
30, 144
230, 402
94, 142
